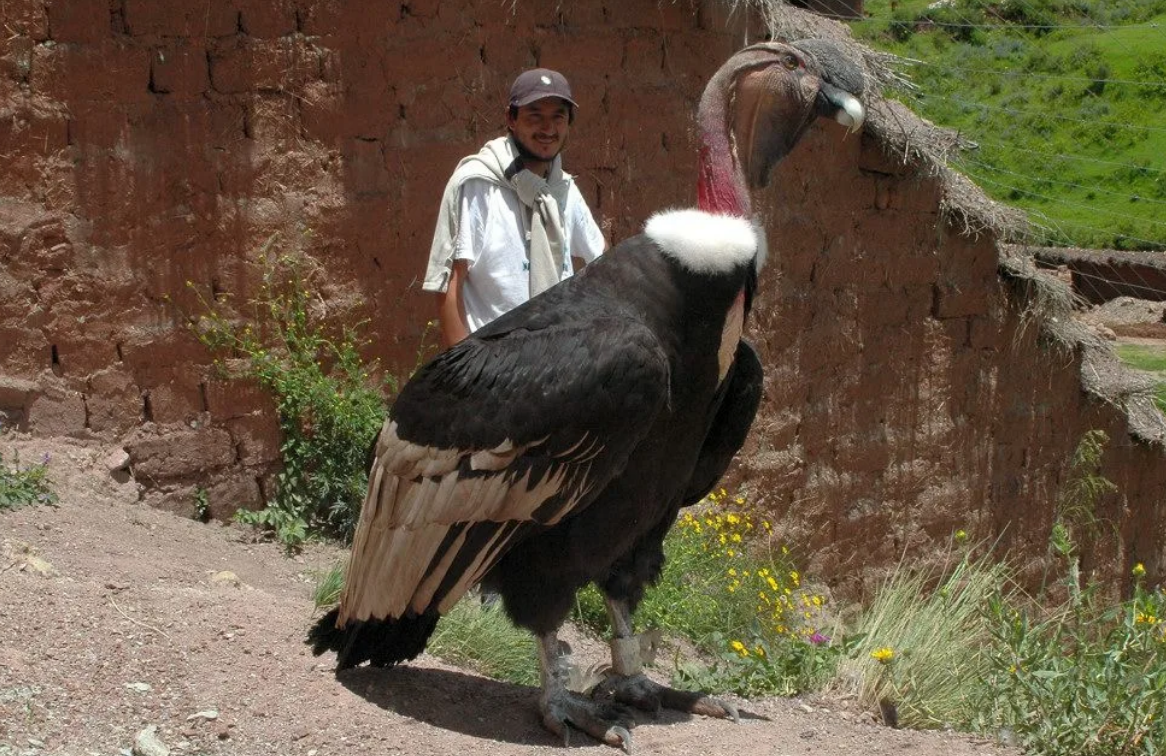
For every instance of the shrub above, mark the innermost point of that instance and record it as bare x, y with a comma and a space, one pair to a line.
736, 600
328, 406
25, 485
1082, 679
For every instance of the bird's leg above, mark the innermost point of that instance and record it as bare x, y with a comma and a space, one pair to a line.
629, 685
562, 710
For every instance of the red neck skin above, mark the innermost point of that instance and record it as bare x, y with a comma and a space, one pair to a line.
720, 187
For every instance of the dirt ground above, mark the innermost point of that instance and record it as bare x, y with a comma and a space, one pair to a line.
115, 617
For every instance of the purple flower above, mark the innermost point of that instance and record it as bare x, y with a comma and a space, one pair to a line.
46, 458
818, 639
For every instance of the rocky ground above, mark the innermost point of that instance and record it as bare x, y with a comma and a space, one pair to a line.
121, 623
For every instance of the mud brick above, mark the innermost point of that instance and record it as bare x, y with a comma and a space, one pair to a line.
57, 412
113, 72
430, 59
179, 453
213, 18
230, 66
596, 51
325, 17
236, 491
264, 19
504, 57
236, 397
257, 437
113, 401
27, 18
81, 21
665, 15
180, 68
644, 58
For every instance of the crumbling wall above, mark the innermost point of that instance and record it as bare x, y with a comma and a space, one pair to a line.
910, 392
150, 149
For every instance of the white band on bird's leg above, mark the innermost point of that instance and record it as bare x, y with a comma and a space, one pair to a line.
625, 656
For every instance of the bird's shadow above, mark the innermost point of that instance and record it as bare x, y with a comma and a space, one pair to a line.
471, 705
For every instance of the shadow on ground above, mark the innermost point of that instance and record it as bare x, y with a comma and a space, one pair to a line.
471, 705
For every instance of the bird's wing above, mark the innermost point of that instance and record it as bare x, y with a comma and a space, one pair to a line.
495, 437
738, 402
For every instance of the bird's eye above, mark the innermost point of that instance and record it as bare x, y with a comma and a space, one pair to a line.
790, 61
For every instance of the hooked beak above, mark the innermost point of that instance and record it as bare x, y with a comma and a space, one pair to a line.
842, 106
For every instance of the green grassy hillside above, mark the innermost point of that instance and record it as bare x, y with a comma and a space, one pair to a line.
1065, 98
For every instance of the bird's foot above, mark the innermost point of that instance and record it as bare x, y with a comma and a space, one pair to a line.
606, 721
645, 694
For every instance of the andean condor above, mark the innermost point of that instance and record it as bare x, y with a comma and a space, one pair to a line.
555, 446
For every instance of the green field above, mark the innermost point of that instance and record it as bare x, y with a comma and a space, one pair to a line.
1065, 100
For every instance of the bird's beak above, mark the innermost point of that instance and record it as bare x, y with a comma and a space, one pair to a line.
842, 106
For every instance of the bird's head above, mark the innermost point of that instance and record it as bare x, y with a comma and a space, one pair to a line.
760, 103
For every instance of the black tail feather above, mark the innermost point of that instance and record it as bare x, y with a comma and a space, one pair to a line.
382, 643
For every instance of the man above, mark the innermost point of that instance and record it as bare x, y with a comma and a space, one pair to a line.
512, 223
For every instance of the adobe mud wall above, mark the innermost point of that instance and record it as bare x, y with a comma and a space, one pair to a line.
147, 145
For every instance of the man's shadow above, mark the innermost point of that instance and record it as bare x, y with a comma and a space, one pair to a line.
472, 705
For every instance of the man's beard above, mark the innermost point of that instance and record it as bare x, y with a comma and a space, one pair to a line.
526, 155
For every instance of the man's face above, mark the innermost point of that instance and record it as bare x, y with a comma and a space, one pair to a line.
541, 127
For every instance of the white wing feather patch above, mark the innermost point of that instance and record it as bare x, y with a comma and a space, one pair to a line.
417, 495
704, 242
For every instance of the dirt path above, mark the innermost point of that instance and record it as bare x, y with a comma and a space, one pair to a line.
115, 617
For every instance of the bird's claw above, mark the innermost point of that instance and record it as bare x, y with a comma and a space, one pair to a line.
619, 737
605, 721
647, 695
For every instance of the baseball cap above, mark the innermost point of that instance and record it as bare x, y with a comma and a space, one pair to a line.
538, 83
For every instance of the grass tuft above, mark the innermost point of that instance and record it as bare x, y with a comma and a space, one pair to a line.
919, 646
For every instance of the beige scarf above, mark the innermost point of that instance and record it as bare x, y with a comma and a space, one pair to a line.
544, 199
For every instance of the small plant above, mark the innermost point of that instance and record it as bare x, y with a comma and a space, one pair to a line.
22, 486
745, 606
1082, 679
202, 505
329, 408
918, 650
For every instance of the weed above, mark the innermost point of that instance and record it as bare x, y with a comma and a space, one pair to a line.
25, 485
743, 605
329, 409
919, 644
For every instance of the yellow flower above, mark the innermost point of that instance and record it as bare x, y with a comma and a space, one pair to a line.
760, 651
739, 647
883, 655
1139, 569
732, 572
961, 536
736, 538
733, 519
772, 583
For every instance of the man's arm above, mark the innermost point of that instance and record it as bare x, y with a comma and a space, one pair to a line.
450, 308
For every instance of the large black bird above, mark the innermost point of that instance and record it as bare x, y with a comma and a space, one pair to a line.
555, 446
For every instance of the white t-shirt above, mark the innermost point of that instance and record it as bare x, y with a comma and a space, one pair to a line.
491, 239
